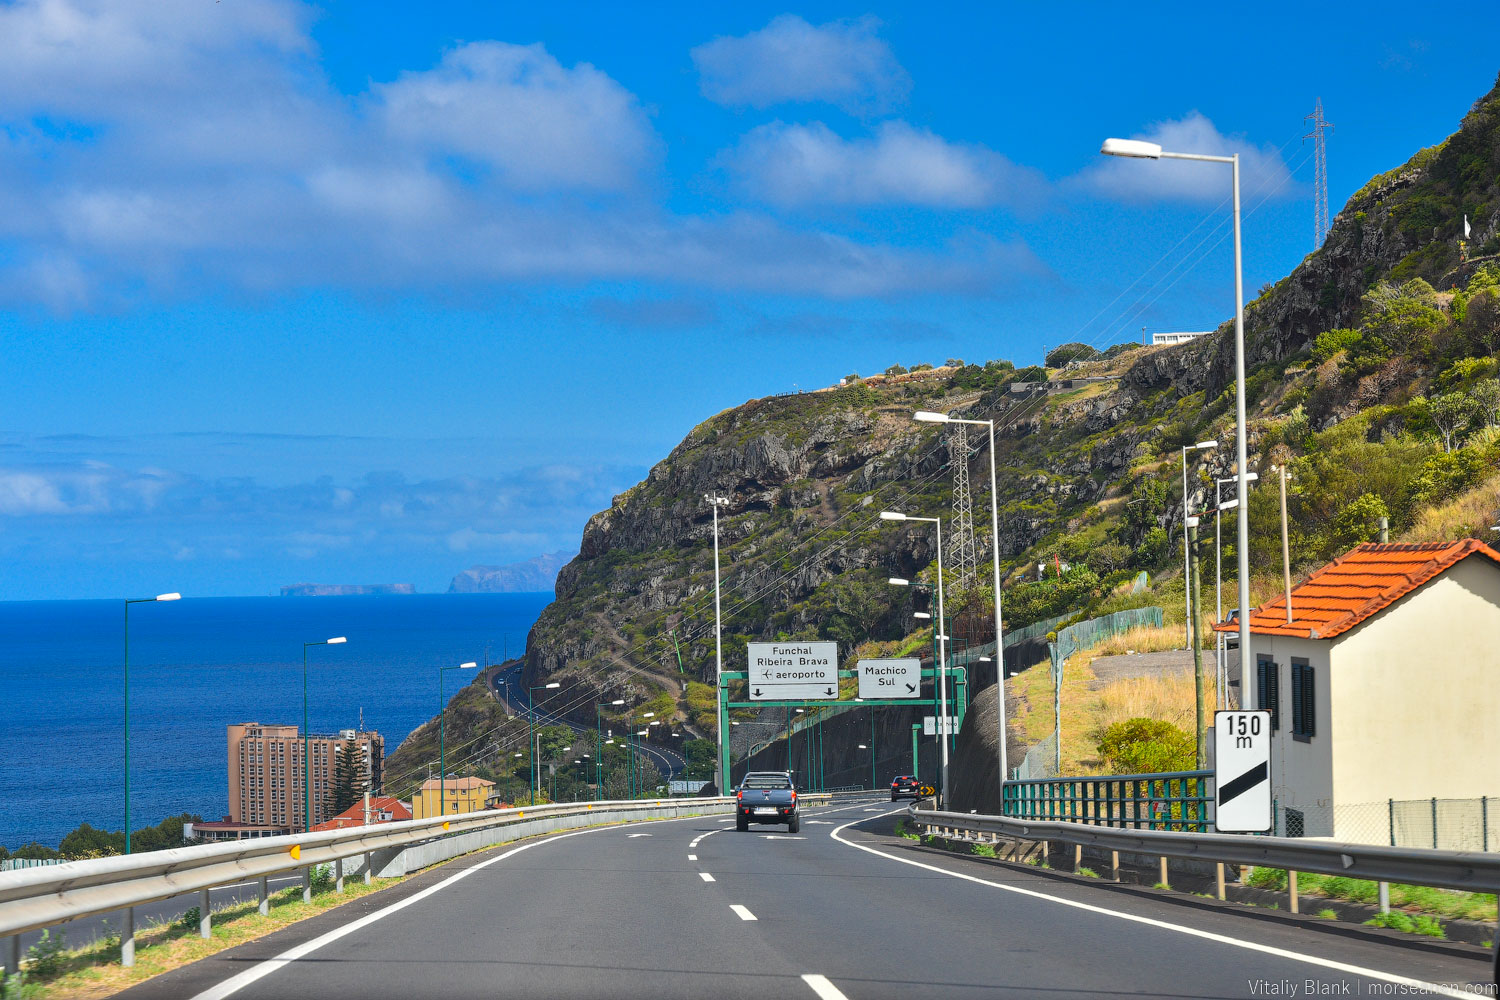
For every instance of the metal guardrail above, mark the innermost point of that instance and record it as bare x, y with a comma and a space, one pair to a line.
1176, 800
1472, 871
41, 897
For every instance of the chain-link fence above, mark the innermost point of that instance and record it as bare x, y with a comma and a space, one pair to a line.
1040, 761
1085, 634
1442, 824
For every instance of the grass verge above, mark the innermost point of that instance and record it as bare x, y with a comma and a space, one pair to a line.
1415, 898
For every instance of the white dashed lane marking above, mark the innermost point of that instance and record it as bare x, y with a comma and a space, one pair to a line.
743, 912
823, 988
705, 876
692, 857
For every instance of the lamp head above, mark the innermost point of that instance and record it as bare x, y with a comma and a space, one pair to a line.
897, 581
618, 701
336, 640
929, 417
1134, 148
169, 597
468, 666
1203, 445
892, 515
554, 684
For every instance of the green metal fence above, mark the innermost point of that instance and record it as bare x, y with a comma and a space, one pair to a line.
1176, 800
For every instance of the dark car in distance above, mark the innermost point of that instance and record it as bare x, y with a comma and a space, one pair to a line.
767, 797
905, 786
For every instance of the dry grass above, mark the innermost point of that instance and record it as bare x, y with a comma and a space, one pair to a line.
1145, 639
1169, 697
1469, 514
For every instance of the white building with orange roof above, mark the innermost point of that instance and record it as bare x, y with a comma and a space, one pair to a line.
1383, 684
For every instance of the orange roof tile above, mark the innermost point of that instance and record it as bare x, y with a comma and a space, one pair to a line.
1356, 585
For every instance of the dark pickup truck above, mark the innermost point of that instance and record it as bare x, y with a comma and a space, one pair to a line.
767, 797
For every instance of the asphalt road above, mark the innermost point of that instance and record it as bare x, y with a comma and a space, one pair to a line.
691, 909
508, 686
86, 930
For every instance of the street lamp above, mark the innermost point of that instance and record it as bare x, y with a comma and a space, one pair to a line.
128, 603
1138, 149
599, 736
1187, 617
531, 717
721, 713
306, 754
943, 418
443, 735
942, 670
1221, 644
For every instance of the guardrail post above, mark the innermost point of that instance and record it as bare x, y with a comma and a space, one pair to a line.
1385, 897
127, 937
1291, 884
1163, 880
12, 956
1114, 865
1077, 856
205, 915
369, 861
307, 884
338, 880
1219, 877
265, 896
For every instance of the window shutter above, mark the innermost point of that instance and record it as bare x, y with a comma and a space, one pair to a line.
1273, 679
1309, 713
1297, 704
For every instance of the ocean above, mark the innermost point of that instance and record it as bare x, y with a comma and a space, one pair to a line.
198, 665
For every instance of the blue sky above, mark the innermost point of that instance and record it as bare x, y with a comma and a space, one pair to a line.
352, 293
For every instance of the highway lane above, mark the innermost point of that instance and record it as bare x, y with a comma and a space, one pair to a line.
693, 908
508, 687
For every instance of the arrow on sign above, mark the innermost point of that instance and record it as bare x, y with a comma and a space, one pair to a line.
757, 692
830, 691
912, 688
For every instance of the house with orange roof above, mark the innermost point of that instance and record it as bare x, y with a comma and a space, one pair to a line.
383, 809
1383, 683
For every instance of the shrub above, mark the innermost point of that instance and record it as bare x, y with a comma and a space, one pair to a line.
188, 919
1331, 342
1068, 353
1147, 746
45, 958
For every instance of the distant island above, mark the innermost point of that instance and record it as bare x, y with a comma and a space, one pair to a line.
537, 574
346, 589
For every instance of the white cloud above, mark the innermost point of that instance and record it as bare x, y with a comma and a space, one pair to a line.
810, 164
1262, 170
152, 147
843, 62
515, 108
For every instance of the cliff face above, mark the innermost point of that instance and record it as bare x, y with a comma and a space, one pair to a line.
531, 576
1083, 472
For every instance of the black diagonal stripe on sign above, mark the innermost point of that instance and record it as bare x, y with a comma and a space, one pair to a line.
1243, 783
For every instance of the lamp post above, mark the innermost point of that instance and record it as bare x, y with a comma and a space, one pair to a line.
306, 754
721, 713
632, 758
1188, 623
1000, 727
599, 740
443, 737
531, 717
1139, 149
128, 603
1221, 645
942, 670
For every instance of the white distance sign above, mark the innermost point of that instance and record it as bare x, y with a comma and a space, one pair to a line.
930, 725
794, 671
890, 678
1242, 772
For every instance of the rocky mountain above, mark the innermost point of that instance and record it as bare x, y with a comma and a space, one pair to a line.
531, 576
1371, 373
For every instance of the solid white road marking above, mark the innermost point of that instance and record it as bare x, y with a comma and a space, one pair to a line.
259, 971
819, 822
744, 913
632, 836
1264, 949
823, 988
876, 810
705, 876
692, 857
777, 836
701, 836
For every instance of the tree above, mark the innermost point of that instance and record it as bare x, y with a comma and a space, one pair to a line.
896, 370
1152, 548
1105, 559
700, 756
1068, 353
1360, 521
1144, 510
1449, 413
1482, 319
1486, 396
954, 363
348, 778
